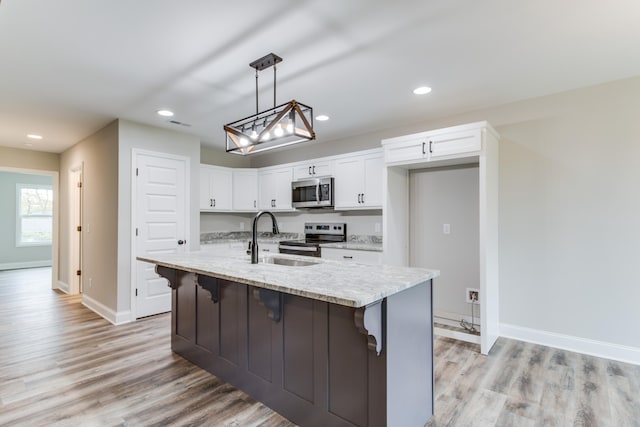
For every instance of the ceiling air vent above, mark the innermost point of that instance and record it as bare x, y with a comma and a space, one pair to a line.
175, 122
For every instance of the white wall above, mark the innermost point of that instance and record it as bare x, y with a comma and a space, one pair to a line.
439, 196
569, 208
134, 135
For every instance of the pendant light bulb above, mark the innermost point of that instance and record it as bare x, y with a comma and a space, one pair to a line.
244, 141
254, 134
266, 136
278, 132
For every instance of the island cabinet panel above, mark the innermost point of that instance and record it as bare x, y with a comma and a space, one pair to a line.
299, 357
306, 359
230, 306
206, 321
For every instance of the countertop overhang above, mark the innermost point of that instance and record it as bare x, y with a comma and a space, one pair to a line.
345, 283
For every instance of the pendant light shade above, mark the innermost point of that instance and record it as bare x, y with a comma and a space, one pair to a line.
282, 125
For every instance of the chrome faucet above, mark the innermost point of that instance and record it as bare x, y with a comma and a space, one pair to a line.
253, 245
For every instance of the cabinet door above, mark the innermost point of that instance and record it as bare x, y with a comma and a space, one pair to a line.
451, 144
372, 195
350, 255
220, 185
349, 173
406, 151
215, 188
266, 190
313, 170
205, 191
245, 190
283, 189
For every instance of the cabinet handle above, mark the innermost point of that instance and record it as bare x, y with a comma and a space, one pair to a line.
210, 203
430, 145
362, 198
314, 170
214, 203
309, 170
182, 242
255, 204
423, 144
347, 257
273, 203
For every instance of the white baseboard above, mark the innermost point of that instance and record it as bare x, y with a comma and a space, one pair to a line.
26, 264
460, 336
567, 342
453, 319
117, 318
64, 287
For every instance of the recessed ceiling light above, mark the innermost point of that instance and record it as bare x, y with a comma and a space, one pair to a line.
34, 136
322, 118
422, 90
165, 113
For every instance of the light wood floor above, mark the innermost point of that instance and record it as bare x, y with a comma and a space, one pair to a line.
62, 365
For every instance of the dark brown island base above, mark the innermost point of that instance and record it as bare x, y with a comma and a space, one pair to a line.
315, 362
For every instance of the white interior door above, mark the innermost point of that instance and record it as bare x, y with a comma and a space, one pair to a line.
161, 209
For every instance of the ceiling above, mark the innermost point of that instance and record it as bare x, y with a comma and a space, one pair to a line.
69, 67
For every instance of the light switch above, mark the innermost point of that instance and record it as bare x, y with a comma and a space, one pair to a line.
446, 228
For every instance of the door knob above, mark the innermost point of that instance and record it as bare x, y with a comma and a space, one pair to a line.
182, 242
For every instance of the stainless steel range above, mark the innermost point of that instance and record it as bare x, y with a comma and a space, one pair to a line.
315, 233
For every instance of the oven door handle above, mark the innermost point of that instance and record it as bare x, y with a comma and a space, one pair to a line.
299, 248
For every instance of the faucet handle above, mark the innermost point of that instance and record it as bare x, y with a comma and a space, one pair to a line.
249, 248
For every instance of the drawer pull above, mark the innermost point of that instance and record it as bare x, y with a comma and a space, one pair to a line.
347, 257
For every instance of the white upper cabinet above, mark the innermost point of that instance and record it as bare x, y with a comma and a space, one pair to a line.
450, 143
275, 189
215, 188
245, 190
313, 169
358, 181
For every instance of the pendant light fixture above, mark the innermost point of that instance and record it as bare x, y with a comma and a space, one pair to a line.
282, 125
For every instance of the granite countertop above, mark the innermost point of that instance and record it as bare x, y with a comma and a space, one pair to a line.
345, 283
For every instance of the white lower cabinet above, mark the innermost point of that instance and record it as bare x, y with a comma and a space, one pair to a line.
353, 255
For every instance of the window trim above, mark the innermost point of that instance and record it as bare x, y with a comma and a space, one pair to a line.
19, 242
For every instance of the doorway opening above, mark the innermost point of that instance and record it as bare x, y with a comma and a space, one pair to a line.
29, 220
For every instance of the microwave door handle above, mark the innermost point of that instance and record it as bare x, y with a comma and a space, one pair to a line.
318, 192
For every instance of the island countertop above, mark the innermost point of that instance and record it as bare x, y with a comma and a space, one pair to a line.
344, 283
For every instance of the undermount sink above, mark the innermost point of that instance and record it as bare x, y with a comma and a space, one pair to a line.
285, 261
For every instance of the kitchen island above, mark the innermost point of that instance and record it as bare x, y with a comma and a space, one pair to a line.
324, 343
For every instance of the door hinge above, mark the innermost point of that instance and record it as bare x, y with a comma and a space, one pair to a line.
79, 184
78, 272
136, 291
79, 228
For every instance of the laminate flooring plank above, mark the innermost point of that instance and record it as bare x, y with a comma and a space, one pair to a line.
61, 365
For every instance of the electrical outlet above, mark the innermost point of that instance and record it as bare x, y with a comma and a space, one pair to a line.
446, 228
472, 295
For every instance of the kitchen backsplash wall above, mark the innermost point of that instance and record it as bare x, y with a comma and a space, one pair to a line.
365, 223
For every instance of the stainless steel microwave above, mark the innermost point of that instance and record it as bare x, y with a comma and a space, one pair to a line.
312, 193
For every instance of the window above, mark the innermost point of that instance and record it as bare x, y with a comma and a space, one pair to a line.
34, 208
